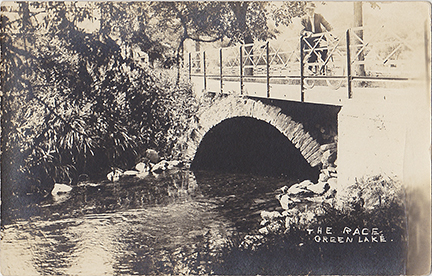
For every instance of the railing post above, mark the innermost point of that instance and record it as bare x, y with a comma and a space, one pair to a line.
349, 78
241, 70
427, 54
204, 68
301, 70
190, 66
268, 69
221, 70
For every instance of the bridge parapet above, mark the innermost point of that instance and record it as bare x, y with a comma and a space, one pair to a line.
345, 65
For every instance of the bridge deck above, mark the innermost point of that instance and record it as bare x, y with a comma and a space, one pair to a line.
322, 95
318, 94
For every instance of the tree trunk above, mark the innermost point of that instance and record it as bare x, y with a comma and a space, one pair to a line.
358, 22
180, 50
248, 71
180, 53
240, 10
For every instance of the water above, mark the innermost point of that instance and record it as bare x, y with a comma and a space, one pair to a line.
177, 222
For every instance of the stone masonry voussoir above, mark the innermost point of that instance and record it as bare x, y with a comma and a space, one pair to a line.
313, 152
298, 140
279, 120
286, 122
310, 149
293, 128
308, 139
297, 135
287, 128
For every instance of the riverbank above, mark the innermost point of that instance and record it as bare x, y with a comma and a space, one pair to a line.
362, 233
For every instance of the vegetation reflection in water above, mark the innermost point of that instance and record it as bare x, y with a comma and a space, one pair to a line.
172, 223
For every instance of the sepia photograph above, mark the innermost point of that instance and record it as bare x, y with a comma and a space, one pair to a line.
215, 137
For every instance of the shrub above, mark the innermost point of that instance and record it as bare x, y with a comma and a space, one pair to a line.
83, 107
287, 247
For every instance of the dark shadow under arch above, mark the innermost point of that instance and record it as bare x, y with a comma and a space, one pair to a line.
248, 145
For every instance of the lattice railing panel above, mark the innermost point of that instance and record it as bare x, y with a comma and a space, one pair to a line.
384, 53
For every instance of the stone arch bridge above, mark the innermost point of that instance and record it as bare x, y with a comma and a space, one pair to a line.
307, 133
376, 133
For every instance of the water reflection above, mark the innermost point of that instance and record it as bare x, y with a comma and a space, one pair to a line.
176, 222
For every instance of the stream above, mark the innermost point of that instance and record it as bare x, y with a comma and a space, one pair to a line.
172, 223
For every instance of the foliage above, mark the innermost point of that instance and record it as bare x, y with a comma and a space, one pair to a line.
77, 102
372, 193
285, 12
377, 200
133, 24
287, 247
238, 22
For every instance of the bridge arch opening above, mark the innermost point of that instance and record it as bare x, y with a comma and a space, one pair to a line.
249, 145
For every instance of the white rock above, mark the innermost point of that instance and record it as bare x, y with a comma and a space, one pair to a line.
130, 173
326, 172
114, 175
328, 157
331, 169
299, 188
284, 201
270, 215
323, 177
264, 231
142, 174
175, 163
141, 166
305, 183
170, 166
328, 146
60, 189
85, 184
295, 189
283, 189
159, 167
319, 188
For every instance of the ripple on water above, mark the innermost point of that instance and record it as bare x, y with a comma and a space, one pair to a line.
176, 223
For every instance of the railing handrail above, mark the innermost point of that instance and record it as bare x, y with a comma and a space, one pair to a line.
319, 34
266, 57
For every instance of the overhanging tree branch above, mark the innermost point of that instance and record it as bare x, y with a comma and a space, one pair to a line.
32, 14
206, 40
